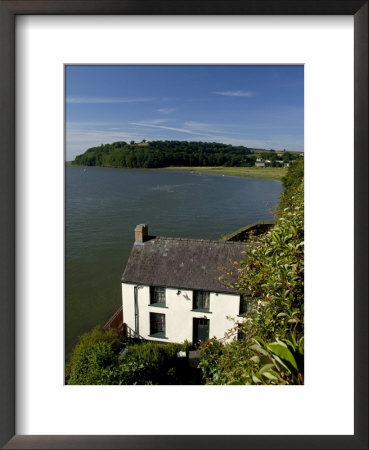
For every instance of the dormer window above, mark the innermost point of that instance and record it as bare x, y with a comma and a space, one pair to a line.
157, 296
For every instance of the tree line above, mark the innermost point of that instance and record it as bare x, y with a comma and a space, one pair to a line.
156, 154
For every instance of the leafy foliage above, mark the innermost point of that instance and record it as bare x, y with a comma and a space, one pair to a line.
271, 278
156, 154
150, 363
96, 360
280, 362
95, 365
210, 356
294, 176
87, 340
225, 364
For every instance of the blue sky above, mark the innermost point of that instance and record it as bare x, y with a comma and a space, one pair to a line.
254, 106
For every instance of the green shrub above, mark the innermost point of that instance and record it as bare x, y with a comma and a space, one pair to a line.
150, 363
96, 360
280, 362
86, 340
272, 279
272, 276
225, 363
294, 175
210, 356
96, 365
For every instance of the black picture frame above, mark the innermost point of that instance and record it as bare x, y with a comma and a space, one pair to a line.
8, 11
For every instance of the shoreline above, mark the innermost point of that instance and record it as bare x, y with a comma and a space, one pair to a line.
266, 173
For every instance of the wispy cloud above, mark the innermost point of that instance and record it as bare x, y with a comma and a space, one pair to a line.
108, 99
206, 130
79, 140
199, 126
150, 125
166, 110
234, 93
216, 128
153, 121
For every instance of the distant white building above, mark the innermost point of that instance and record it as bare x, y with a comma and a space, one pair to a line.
259, 164
171, 289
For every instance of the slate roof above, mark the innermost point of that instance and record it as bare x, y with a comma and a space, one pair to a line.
182, 263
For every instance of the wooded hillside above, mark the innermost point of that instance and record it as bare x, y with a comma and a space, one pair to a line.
155, 154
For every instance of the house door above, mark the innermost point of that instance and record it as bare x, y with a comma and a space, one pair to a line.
200, 330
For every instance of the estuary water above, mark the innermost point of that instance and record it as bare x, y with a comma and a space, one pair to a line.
104, 205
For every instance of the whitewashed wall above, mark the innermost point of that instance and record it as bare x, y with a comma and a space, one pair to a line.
178, 314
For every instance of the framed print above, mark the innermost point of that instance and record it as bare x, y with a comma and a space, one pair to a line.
39, 40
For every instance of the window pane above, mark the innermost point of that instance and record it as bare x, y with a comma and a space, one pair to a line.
201, 300
157, 295
244, 305
205, 300
195, 299
157, 323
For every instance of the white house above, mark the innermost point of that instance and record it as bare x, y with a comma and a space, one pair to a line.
171, 289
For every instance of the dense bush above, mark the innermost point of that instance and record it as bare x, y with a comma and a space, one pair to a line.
87, 340
150, 363
225, 363
96, 360
97, 364
271, 278
294, 176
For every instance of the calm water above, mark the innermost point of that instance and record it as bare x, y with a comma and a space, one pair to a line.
103, 206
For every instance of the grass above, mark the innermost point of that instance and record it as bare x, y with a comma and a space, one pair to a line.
270, 173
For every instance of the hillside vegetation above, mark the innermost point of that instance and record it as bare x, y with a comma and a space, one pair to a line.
155, 154
269, 348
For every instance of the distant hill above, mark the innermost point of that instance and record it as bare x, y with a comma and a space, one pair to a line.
156, 154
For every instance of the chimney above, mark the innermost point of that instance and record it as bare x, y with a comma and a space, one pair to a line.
141, 232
